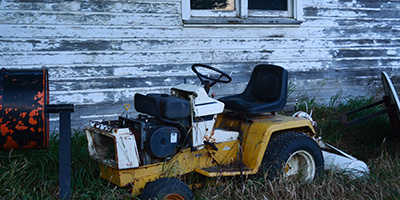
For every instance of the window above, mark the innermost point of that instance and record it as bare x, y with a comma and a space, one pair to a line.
242, 11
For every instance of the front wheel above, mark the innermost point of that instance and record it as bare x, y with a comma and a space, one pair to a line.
292, 155
167, 188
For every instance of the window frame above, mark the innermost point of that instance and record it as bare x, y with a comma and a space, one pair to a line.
242, 15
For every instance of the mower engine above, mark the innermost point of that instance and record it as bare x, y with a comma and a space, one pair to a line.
167, 123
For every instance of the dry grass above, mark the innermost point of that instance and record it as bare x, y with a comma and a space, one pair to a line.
371, 141
383, 182
33, 174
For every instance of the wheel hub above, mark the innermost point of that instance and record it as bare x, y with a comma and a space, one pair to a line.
300, 165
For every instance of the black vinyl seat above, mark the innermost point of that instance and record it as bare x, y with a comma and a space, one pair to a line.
265, 92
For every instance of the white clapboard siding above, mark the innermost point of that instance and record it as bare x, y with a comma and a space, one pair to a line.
100, 53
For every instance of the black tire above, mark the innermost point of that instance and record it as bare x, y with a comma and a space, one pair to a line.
166, 188
280, 149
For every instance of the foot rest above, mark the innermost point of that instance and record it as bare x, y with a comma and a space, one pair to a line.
232, 169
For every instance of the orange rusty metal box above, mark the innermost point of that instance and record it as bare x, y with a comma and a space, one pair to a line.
24, 123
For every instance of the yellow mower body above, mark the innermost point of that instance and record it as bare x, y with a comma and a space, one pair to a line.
209, 162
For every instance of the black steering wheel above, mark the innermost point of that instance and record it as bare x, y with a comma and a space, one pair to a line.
205, 80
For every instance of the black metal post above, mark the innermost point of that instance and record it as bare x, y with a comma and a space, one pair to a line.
65, 154
65, 147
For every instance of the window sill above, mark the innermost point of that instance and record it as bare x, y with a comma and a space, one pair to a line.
237, 22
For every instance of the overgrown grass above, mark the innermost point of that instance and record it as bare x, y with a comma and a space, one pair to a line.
382, 183
371, 141
365, 140
33, 174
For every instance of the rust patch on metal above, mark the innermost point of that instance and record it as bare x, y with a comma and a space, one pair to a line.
210, 138
23, 121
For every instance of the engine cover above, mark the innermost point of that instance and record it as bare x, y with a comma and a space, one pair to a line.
162, 141
162, 106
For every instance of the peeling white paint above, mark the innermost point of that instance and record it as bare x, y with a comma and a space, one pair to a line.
103, 54
392, 52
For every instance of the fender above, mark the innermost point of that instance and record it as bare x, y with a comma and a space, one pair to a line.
256, 138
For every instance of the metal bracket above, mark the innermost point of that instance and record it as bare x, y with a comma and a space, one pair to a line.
390, 109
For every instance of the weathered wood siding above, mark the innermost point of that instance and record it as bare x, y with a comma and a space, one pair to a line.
100, 53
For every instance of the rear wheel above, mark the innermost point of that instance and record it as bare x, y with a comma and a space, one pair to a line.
167, 188
292, 155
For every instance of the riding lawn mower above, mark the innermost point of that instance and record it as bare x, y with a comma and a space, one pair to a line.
187, 131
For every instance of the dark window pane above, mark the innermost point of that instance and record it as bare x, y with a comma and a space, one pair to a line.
212, 4
268, 4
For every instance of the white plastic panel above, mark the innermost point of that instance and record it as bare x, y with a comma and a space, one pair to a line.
221, 135
211, 108
200, 131
127, 152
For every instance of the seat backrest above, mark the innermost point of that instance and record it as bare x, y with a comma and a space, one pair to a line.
268, 83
